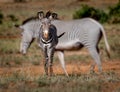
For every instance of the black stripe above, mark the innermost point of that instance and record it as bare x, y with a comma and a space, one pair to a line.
61, 35
46, 42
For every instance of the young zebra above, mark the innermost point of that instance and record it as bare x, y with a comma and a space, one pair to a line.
47, 40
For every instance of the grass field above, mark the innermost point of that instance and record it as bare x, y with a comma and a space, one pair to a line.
20, 73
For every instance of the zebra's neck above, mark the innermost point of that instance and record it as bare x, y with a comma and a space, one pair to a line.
47, 41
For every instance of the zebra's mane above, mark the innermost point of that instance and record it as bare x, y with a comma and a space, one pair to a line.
29, 19
36, 18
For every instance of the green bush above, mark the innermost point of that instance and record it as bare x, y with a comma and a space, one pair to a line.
87, 11
115, 10
20, 1
114, 13
1, 17
12, 17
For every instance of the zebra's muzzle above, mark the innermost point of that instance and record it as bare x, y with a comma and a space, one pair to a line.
45, 34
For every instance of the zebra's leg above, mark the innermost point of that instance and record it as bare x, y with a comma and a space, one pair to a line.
62, 61
46, 65
50, 66
95, 54
46, 61
50, 56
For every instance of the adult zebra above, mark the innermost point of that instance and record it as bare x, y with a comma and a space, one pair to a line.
48, 40
79, 33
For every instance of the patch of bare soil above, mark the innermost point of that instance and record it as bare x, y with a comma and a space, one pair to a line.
9, 37
34, 71
73, 68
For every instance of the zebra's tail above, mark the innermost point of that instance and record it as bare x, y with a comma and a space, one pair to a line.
106, 42
61, 34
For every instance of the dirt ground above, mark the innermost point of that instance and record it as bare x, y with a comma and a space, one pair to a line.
73, 68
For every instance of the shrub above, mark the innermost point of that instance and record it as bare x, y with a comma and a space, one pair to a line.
12, 17
87, 11
20, 1
114, 13
1, 17
115, 10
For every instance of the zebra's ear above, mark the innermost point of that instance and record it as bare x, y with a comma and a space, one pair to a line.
40, 14
48, 14
55, 15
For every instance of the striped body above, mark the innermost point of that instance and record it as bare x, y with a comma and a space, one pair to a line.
79, 33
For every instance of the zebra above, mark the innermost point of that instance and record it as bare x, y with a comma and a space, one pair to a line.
47, 40
79, 33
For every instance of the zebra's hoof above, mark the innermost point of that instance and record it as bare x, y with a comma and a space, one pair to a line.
92, 72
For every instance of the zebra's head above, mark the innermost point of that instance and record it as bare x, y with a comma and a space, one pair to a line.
28, 34
26, 41
45, 25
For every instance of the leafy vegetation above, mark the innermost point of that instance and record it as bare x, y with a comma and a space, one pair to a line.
114, 13
87, 11
20, 1
1, 17
113, 16
12, 17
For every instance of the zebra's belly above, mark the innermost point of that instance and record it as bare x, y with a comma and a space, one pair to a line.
69, 46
